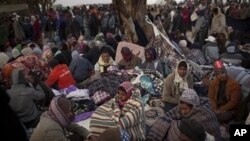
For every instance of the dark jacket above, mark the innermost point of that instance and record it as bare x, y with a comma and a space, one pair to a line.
11, 127
24, 99
80, 68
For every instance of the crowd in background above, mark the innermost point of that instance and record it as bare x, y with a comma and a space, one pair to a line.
69, 55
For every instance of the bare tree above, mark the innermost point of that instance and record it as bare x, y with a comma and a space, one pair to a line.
34, 5
129, 11
46, 4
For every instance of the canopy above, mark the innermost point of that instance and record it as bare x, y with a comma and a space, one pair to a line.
81, 2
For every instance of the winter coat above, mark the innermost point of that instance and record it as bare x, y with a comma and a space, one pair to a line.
23, 98
49, 130
233, 94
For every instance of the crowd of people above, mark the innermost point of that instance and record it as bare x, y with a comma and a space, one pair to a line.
61, 67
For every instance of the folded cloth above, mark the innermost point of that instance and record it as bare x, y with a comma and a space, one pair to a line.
82, 116
79, 93
68, 90
100, 97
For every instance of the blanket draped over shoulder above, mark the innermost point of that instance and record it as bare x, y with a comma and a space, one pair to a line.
130, 118
166, 128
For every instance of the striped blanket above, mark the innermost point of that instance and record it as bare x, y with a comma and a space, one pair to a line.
166, 128
130, 118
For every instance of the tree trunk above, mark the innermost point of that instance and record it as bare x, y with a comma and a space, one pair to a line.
33, 6
129, 11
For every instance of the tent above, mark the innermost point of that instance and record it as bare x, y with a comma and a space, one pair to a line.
81, 2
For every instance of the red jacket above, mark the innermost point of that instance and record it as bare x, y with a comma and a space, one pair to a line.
61, 76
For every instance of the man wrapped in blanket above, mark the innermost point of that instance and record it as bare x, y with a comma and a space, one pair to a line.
190, 107
124, 111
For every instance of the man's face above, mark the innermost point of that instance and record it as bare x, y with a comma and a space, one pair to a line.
185, 108
182, 71
148, 56
105, 57
122, 95
215, 13
221, 75
221, 38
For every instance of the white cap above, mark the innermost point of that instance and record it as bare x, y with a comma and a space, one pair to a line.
210, 39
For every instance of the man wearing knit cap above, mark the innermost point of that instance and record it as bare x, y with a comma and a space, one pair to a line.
172, 126
188, 100
224, 92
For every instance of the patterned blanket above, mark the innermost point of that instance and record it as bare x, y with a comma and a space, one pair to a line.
167, 126
109, 82
130, 118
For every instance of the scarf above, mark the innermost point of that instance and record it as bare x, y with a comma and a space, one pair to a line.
103, 65
181, 82
57, 114
128, 87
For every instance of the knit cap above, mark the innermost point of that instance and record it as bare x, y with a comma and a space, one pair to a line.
3, 59
15, 52
218, 66
190, 96
183, 43
128, 87
27, 51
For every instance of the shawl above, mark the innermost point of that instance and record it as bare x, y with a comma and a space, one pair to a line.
182, 82
130, 118
167, 126
102, 64
57, 114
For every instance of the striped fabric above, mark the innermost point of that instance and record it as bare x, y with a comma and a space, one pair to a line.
166, 127
130, 118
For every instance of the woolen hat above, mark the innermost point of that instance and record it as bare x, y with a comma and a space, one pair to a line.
3, 59
27, 51
128, 87
183, 43
125, 50
190, 96
219, 66
15, 52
